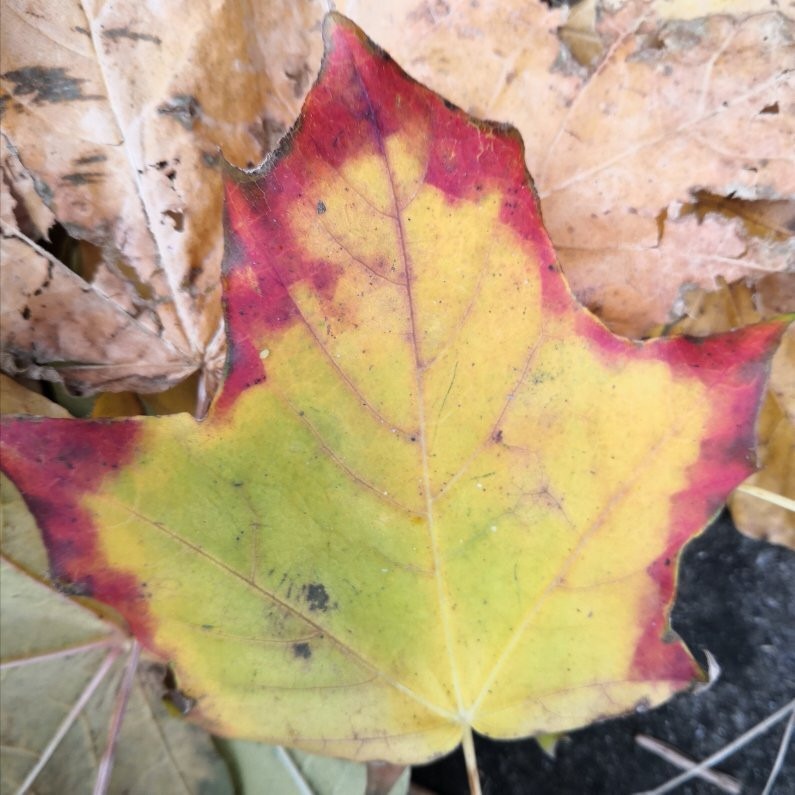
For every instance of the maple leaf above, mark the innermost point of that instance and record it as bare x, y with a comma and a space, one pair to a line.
421, 435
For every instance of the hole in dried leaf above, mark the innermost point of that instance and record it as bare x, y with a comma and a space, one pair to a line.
769, 220
177, 217
173, 695
80, 256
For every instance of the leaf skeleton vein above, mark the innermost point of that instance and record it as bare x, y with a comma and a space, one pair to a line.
369, 202
164, 741
657, 139
182, 312
456, 330
500, 417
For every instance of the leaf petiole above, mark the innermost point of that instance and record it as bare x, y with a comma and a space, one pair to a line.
468, 743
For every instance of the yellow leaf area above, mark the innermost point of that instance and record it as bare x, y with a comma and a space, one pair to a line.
434, 493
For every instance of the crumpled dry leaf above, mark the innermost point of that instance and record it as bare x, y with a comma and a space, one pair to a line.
56, 325
737, 305
117, 111
627, 152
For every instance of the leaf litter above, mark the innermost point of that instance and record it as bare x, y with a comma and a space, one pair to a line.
392, 432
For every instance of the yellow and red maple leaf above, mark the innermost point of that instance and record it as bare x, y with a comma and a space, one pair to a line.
434, 492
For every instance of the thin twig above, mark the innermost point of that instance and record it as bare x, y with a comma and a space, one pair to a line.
120, 707
727, 750
782, 753
768, 496
70, 718
471, 762
670, 754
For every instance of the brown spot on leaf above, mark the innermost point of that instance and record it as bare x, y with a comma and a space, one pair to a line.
88, 159
114, 34
184, 108
177, 217
83, 177
47, 84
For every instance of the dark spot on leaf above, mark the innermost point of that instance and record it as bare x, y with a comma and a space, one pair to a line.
449, 105
302, 650
79, 29
184, 108
114, 34
77, 588
83, 177
84, 161
772, 108
498, 436
321, 208
47, 84
26, 313
316, 596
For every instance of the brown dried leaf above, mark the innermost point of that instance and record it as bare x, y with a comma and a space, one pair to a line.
636, 116
117, 111
55, 324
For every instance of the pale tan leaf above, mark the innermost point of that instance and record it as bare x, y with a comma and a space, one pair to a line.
117, 111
